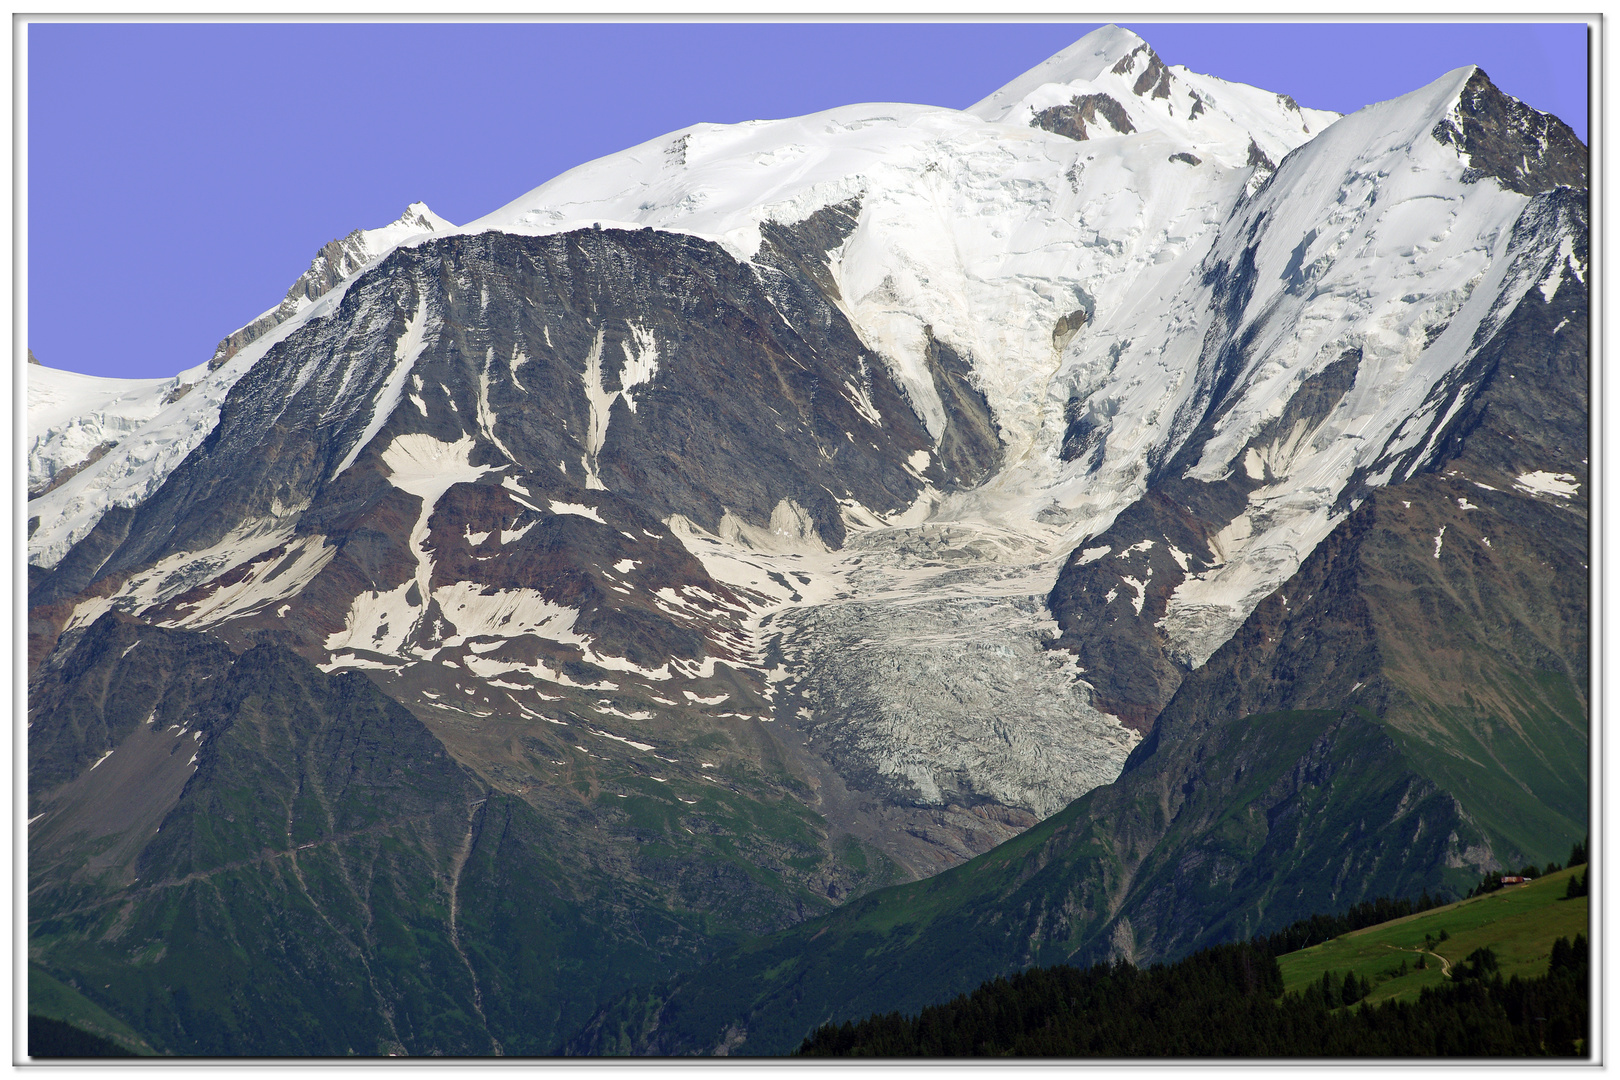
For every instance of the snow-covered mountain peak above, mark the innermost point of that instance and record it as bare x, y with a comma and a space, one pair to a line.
1084, 61
417, 220
342, 259
1111, 82
337, 261
979, 231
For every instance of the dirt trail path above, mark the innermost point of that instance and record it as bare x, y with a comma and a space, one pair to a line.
1445, 965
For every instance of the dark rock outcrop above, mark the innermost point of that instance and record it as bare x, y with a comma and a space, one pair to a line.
1507, 141
1070, 120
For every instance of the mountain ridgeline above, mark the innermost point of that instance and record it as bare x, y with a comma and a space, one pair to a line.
695, 604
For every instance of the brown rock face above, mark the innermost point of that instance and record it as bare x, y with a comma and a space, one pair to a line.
1070, 120
1506, 140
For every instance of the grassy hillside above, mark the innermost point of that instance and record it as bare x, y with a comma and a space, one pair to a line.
1520, 923
54, 1000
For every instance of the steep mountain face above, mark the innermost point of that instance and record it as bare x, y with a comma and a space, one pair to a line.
108, 444
772, 512
1346, 304
269, 860
1409, 709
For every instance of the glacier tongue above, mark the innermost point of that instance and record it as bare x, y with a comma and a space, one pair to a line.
946, 698
914, 661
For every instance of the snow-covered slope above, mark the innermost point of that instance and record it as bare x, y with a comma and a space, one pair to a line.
71, 415
1370, 239
993, 236
135, 439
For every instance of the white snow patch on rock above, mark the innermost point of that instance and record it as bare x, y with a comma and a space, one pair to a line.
1559, 485
578, 509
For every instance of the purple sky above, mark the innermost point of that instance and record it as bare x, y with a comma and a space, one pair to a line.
181, 176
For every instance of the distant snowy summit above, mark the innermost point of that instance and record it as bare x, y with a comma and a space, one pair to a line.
1112, 82
143, 428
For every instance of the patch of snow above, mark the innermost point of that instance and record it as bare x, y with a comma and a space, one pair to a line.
1558, 485
486, 415
1141, 592
620, 738
425, 467
661, 673
640, 362
576, 508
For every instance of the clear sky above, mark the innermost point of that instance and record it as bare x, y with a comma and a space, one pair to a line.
180, 176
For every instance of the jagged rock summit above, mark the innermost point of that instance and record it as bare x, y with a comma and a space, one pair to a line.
336, 262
